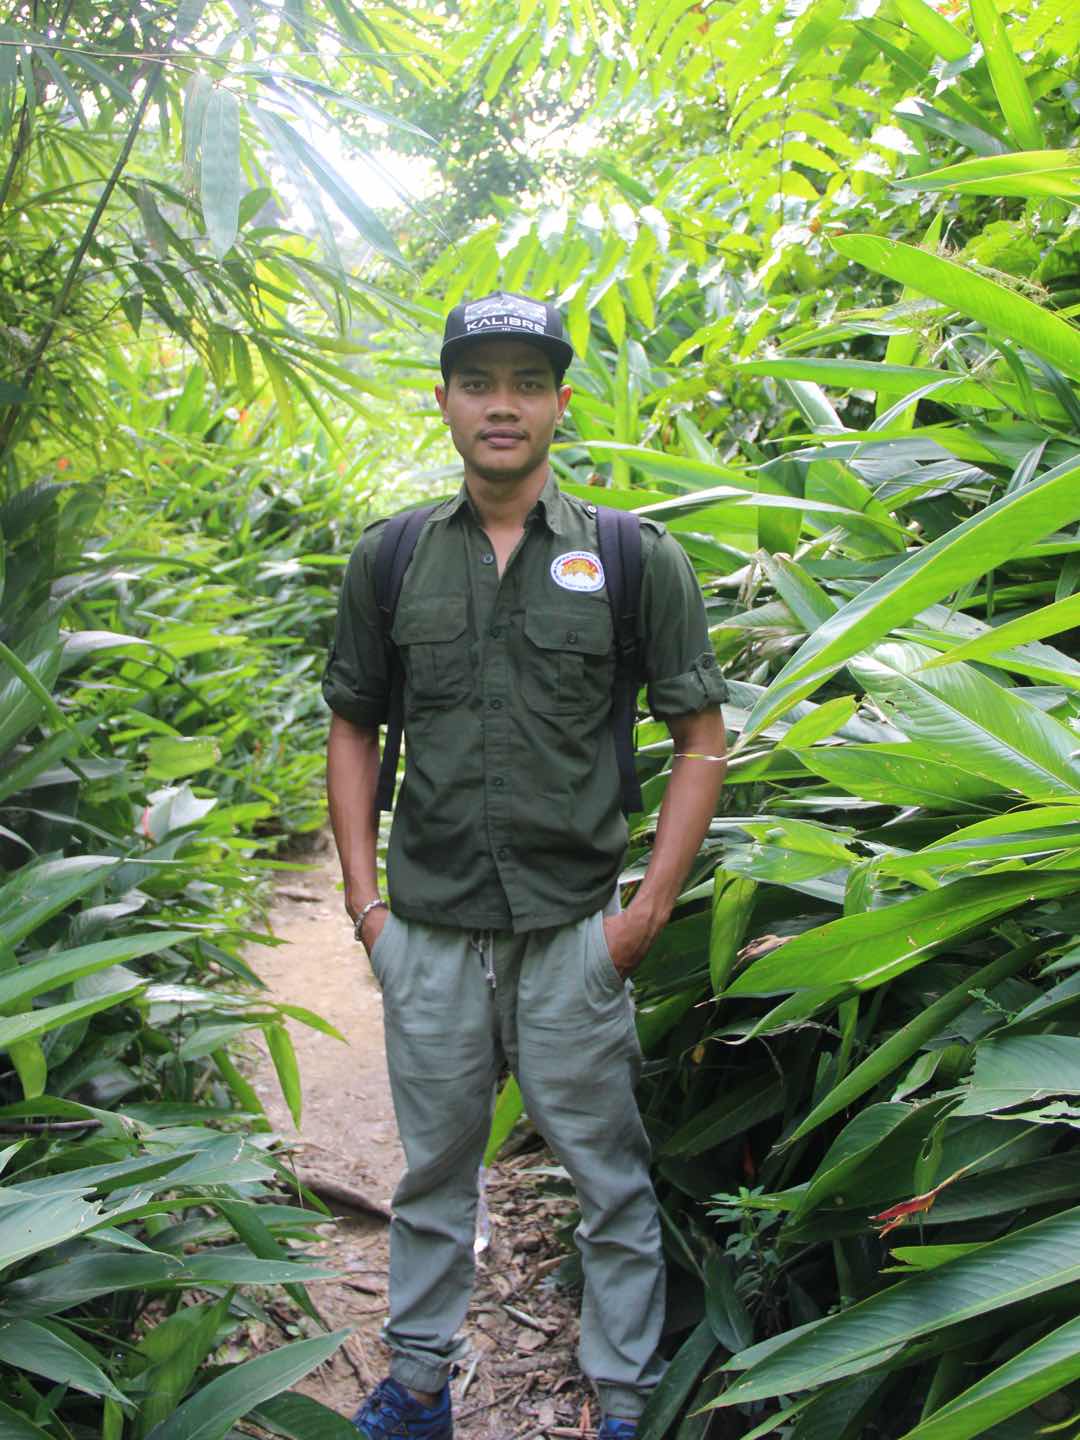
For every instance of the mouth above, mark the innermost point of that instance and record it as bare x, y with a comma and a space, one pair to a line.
502, 439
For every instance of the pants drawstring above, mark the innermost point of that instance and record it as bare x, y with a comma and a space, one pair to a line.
483, 942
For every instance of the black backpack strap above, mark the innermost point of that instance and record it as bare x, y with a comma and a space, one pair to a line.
396, 545
618, 538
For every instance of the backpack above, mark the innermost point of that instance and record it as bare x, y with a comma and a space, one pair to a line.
618, 535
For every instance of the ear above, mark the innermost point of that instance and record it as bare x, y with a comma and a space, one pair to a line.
564, 399
440, 397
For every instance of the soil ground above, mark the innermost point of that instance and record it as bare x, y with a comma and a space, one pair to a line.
522, 1382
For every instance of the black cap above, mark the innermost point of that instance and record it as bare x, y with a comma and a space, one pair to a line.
503, 316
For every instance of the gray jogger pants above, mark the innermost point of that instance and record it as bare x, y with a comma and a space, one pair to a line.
563, 1019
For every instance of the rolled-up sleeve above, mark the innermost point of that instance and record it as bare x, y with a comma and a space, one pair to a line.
355, 682
680, 667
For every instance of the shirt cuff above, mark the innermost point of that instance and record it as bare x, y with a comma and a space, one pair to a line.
699, 688
363, 710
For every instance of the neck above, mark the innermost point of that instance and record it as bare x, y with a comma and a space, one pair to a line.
504, 504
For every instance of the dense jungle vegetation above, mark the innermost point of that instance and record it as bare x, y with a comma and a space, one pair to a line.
820, 261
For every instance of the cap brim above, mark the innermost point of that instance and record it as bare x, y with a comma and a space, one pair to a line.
561, 351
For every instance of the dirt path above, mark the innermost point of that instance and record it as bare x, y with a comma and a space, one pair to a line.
522, 1382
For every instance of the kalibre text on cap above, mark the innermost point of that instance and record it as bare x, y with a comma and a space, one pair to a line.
502, 315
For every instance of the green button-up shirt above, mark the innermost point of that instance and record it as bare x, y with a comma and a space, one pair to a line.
508, 816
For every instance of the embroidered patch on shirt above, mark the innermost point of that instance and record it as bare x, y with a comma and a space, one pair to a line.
578, 570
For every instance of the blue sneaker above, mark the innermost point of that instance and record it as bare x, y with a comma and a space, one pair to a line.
617, 1428
390, 1411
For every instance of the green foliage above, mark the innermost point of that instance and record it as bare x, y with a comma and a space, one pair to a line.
819, 265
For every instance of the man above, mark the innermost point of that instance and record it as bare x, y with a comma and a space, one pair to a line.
503, 938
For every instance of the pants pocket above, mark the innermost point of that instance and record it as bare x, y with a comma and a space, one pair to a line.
379, 949
603, 983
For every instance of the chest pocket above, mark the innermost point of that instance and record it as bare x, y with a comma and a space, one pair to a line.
432, 637
568, 659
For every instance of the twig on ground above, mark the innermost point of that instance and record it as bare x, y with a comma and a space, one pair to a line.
336, 1192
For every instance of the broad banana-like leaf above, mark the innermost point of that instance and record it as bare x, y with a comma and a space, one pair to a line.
865, 950
909, 1040
1049, 1365
1032, 1261
1001, 530
1050, 620
957, 712
298, 1417
900, 775
1012, 1069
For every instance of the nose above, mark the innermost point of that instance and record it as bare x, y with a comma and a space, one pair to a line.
502, 402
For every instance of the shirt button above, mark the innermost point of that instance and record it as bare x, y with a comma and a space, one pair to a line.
487, 558
496, 632
496, 704
571, 637
502, 853
497, 782
591, 509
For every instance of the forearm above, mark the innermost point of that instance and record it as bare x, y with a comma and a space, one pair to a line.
352, 774
689, 804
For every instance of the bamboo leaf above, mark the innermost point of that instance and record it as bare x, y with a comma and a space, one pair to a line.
220, 170
934, 29
283, 1055
1006, 75
208, 1414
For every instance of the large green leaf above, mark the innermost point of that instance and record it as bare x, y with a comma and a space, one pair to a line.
209, 1414
39, 1022
1050, 620
900, 775
1029, 173
42, 889
35, 976
1003, 311
1043, 1368
29, 1346
298, 1417
959, 712
968, 550
864, 950
888, 1055
1032, 1261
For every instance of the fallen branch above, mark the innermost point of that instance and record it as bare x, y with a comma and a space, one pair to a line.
336, 1192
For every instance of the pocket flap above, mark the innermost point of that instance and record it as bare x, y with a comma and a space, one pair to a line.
552, 628
432, 621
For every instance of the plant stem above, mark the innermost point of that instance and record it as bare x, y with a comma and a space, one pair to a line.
11, 418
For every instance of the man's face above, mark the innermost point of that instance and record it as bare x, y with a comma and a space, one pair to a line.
502, 406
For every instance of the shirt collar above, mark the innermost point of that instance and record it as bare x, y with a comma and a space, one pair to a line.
551, 504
